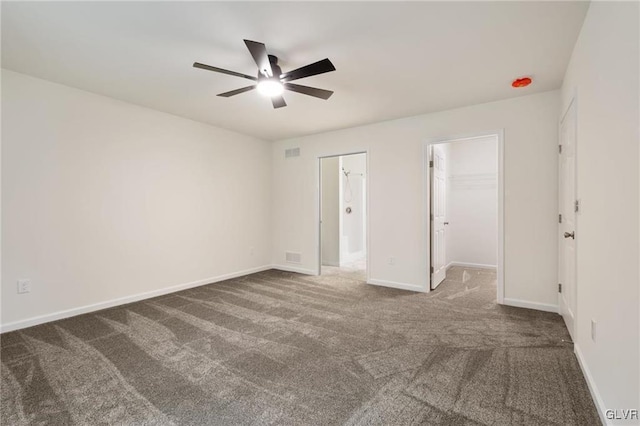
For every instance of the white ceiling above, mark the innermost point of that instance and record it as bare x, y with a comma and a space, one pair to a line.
392, 59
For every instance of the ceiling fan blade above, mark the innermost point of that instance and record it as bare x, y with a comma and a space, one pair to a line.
223, 71
311, 91
259, 53
316, 68
278, 102
237, 91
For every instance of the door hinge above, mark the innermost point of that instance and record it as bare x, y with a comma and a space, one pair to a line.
577, 206
432, 269
430, 163
431, 216
560, 218
559, 149
559, 288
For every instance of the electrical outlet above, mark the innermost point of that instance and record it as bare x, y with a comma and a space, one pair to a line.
392, 261
24, 286
593, 330
251, 251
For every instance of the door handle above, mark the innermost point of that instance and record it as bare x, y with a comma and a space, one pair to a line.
570, 235
446, 223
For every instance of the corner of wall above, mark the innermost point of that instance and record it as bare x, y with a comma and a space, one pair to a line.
593, 388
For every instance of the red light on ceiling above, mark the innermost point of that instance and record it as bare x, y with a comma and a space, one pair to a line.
521, 82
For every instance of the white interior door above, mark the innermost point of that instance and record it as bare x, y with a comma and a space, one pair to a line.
438, 202
567, 228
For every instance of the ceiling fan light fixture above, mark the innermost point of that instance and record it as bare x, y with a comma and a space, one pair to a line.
270, 87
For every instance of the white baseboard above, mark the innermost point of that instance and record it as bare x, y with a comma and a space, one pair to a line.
472, 265
331, 263
530, 305
591, 384
299, 270
29, 322
401, 286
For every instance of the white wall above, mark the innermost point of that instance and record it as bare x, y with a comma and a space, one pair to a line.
103, 200
397, 195
472, 202
331, 211
353, 239
604, 74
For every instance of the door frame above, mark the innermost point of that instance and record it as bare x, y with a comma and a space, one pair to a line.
573, 102
318, 218
426, 193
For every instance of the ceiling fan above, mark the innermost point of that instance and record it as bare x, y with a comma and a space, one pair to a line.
271, 81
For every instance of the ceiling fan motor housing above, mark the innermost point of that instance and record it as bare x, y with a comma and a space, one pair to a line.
275, 68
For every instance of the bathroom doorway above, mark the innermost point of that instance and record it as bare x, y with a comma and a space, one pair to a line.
343, 215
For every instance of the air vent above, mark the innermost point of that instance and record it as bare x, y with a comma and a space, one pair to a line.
292, 152
292, 257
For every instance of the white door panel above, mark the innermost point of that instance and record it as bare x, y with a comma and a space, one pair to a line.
438, 202
567, 243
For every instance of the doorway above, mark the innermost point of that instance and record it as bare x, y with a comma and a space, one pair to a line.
343, 215
465, 210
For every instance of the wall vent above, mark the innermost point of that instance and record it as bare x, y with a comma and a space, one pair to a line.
291, 257
292, 152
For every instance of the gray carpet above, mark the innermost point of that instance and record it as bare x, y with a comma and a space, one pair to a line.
282, 348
